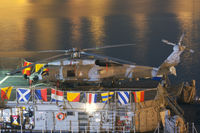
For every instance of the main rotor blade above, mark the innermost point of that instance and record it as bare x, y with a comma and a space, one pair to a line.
50, 51
86, 49
107, 57
38, 62
107, 46
181, 39
167, 42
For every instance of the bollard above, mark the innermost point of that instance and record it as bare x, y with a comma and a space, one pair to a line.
192, 127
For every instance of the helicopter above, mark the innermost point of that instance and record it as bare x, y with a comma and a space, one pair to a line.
80, 69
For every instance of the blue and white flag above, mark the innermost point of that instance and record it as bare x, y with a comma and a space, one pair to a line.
23, 95
123, 97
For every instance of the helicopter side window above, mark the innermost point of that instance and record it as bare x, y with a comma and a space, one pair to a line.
70, 73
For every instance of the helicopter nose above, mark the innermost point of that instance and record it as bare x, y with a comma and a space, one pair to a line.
35, 78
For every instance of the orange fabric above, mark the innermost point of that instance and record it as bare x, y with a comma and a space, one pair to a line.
5, 93
27, 70
138, 96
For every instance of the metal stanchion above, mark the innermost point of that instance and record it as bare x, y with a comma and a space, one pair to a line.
157, 129
21, 128
192, 127
187, 127
134, 129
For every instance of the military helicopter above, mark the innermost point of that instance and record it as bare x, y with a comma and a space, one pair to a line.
80, 69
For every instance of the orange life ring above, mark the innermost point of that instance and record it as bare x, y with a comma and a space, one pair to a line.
60, 116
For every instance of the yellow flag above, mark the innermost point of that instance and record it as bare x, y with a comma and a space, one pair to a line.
73, 97
38, 67
5, 92
106, 96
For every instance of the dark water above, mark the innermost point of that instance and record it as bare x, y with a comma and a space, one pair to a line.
31, 25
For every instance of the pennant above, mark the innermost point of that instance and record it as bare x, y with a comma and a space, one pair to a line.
57, 95
138, 96
15, 120
27, 71
23, 95
41, 94
73, 97
106, 96
123, 97
91, 98
5, 93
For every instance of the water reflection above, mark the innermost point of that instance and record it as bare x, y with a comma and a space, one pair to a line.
30, 25
187, 13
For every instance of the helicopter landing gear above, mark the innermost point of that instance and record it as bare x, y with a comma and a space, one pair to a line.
165, 81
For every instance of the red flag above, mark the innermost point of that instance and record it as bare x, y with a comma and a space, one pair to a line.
41, 94
27, 71
5, 93
138, 96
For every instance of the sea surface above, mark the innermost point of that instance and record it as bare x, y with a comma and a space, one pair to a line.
27, 26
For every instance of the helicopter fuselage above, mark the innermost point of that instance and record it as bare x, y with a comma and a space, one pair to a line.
96, 70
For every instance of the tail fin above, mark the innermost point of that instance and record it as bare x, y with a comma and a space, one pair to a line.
167, 67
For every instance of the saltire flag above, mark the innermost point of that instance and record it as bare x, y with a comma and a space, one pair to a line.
138, 96
106, 96
73, 97
27, 71
41, 94
5, 93
56, 95
23, 95
123, 97
91, 98
15, 120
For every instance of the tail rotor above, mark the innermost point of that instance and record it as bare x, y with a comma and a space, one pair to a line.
179, 44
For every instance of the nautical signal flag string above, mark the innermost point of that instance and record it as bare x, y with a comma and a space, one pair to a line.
5, 93
24, 94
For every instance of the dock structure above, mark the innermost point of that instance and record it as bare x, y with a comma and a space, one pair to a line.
81, 109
